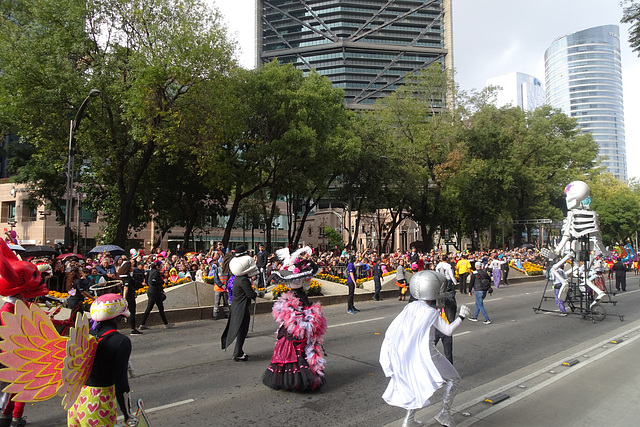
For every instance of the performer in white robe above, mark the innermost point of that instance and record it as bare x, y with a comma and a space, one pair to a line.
409, 356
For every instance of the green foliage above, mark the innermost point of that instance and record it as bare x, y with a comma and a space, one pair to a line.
631, 15
147, 58
286, 137
618, 208
424, 123
334, 238
518, 164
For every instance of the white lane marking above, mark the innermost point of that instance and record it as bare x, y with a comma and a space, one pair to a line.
462, 333
169, 405
356, 322
485, 301
159, 408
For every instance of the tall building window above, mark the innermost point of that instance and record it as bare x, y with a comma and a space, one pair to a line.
365, 47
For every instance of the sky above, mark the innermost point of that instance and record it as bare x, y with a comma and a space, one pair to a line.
494, 37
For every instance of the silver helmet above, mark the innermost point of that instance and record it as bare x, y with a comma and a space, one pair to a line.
428, 285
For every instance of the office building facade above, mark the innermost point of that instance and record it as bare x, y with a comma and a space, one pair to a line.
583, 73
365, 47
518, 90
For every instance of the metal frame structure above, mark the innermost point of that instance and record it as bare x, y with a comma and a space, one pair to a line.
579, 298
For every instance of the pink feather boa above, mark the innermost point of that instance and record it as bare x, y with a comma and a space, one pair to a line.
303, 323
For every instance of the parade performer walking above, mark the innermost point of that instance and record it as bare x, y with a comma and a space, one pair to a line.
242, 266
108, 380
297, 362
408, 354
88, 370
129, 286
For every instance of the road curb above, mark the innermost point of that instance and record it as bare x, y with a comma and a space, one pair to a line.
263, 306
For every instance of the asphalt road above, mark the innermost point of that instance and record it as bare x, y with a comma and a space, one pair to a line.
185, 379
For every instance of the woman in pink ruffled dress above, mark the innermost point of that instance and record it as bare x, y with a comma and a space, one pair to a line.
297, 362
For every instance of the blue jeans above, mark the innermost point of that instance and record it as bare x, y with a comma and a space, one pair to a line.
480, 305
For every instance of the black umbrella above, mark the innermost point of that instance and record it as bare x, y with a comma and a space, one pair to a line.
112, 249
31, 251
528, 246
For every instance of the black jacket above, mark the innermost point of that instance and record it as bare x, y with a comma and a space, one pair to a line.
262, 259
619, 268
155, 282
377, 271
414, 257
480, 281
111, 360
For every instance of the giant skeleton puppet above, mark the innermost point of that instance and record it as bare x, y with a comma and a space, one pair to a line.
580, 234
409, 356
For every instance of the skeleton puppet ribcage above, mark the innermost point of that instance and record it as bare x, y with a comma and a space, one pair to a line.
584, 222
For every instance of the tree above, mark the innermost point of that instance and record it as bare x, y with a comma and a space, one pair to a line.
372, 179
334, 238
517, 165
424, 122
145, 56
631, 15
618, 208
289, 135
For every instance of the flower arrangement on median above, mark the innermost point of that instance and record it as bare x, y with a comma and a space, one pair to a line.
336, 279
315, 289
86, 304
359, 282
532, 269
169, 284
528, 268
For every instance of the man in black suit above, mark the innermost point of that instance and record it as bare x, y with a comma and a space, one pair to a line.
262, 258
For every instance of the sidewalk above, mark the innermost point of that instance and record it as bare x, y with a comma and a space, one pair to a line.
600, 390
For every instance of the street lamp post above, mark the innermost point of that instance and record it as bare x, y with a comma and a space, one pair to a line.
86, 226
70, 165
43, 217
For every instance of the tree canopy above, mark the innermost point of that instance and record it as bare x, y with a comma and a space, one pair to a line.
631, 15
146, 57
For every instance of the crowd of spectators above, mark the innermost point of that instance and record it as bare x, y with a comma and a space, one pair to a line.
196, 265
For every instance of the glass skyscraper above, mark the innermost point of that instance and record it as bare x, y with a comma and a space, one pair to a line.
365, 47
583, 74
519, 90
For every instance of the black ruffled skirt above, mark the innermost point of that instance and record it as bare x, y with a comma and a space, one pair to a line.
289, 369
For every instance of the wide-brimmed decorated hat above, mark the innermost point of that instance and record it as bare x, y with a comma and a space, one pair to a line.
296, 271
109, 306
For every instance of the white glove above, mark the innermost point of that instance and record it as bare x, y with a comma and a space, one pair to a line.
464, 311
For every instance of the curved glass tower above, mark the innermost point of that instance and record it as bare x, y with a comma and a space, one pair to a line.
583, 74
